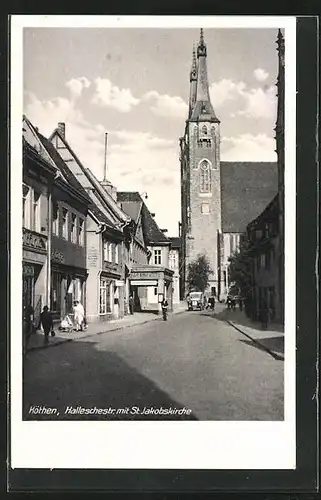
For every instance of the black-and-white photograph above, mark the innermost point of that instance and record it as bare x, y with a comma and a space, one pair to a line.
153, 224
156, 282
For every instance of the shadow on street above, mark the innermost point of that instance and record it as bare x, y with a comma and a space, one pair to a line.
274, 344
82, 375
239, 318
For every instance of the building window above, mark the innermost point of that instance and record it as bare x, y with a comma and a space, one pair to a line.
157, 257
55, 219
172, 260
64, 223
204, 130
73, 228
262, 261
155, 290
108, 251
205, 177
81, 232
205, 208
104, 296
36, 211
26, 197
116, 253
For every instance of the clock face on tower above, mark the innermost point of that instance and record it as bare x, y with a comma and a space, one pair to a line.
204, 165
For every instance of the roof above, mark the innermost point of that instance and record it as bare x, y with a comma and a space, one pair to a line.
69, 176
246, 189
132, 204
175, 242
270, 213
203, 111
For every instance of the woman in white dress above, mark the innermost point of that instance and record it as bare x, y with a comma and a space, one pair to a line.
79, 315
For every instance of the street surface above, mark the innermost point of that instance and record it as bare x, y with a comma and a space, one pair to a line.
193, 362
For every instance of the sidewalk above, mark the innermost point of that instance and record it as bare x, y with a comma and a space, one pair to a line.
37, 339
270, 339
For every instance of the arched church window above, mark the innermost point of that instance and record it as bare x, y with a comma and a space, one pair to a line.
205, 177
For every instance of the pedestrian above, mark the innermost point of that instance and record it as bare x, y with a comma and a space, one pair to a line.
47, 323
79, 315
131, 304
164, 305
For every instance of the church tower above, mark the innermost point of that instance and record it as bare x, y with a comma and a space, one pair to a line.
200, 175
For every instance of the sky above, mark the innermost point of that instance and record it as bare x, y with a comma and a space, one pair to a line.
133, 83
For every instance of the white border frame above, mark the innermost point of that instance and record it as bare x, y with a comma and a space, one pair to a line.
195, 445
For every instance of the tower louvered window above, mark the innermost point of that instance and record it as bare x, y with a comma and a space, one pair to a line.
205, 177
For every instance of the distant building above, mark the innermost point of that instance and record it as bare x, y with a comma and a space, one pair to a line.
218, 199
151, 279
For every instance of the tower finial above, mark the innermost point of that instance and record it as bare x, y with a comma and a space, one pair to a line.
201, 48
202, 37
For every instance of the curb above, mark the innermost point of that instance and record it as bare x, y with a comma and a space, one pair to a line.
276, 356
62, 341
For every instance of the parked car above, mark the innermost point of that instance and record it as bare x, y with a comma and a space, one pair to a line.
195, 300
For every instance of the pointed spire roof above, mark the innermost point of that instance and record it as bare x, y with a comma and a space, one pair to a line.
193, 73
203, 109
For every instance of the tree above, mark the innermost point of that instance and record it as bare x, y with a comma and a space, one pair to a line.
198, 273
240, 268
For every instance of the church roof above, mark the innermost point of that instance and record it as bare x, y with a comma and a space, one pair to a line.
246, 189
203, 111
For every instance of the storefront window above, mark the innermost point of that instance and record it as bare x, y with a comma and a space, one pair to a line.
104, 296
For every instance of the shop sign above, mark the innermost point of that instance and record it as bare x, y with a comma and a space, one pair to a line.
34, 240
119, 283
144, 275
144, 282
57, 256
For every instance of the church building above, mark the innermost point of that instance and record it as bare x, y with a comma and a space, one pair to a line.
218, 199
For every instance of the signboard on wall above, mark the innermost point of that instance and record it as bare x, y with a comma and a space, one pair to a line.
92, 256
144, 282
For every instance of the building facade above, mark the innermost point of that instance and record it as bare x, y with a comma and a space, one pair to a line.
107, 235
218, 198
174, 265
62, 218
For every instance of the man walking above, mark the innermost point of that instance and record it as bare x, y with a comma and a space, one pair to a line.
47, 323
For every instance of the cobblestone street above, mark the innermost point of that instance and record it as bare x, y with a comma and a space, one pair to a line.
195, 362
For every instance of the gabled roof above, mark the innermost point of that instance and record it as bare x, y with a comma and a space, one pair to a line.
246, 189
120, 214
203, 111
133, 202
66, 172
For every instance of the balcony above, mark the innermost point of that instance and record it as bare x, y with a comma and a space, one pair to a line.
34, 241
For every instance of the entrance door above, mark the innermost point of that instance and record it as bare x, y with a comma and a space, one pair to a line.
28, 288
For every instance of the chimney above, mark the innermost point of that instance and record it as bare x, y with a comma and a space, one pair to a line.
62, 129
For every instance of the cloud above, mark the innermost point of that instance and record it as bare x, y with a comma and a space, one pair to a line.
77, 85
225, 90
109, 95
260, 103
166, 105
248, 147
260, 74
249, 102
136, 161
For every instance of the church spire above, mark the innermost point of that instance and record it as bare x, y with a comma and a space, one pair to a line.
203, 108
193, 83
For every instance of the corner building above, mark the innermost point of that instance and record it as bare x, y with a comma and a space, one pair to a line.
200, 173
